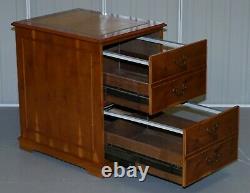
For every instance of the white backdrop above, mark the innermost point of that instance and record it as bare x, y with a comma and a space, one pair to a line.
224, 23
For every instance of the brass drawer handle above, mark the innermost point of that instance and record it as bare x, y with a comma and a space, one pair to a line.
181, 61
213, 130
181, 90
216, 158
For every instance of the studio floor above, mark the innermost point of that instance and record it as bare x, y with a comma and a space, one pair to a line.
24, 172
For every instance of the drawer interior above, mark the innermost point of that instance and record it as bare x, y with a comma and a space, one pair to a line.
133, 137
130, 143
143, 140
124, 69
130, 75
138, 73
129, 60
140, 48
175, 119
126, 75
167, 141
147, 119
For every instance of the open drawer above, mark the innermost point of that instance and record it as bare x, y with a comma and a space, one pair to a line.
183, 144
150, 75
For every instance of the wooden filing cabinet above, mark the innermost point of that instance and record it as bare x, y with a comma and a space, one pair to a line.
99, 88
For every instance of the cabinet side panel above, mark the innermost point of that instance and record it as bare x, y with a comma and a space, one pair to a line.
60, 86
21, 84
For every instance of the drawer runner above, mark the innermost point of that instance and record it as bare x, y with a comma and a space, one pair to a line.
202, 108
108, 111
138, 60
126, 95
162, 42
126, 157
111, 111
124, 57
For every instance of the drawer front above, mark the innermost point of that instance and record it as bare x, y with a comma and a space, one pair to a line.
176, 91
209, 161
161, 95
177, 60
211, 130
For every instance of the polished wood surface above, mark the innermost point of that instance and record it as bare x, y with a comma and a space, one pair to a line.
206, 156
176, 61
91, 25
170, 78
211, 130
165, 94
60, 77
61, 95
207, 162
179, 90
60, 89
92, 168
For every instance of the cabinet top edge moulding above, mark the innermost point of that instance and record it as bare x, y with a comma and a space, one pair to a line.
91, 26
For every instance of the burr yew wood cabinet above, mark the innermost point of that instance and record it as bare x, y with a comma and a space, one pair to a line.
99, 88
